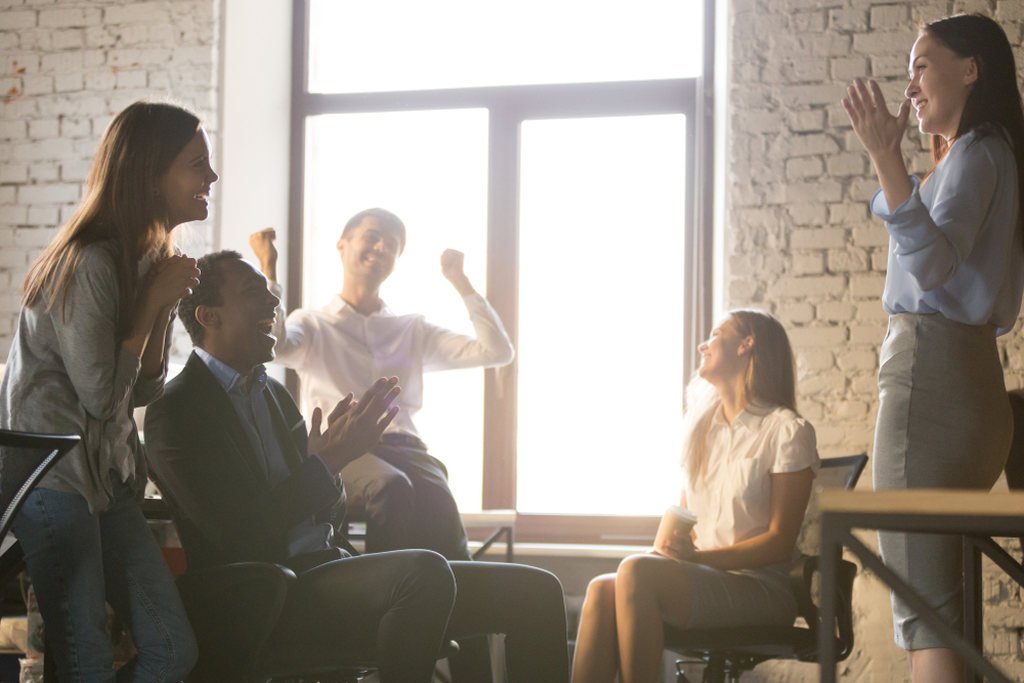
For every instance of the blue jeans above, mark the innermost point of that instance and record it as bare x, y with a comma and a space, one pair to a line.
78, 561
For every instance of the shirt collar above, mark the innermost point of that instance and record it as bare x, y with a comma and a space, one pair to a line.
339, 306
231, 379
749, 418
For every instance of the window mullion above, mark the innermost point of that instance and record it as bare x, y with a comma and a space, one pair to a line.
499, 447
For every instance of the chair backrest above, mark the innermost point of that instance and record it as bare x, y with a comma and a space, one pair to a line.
24, 459
843, 473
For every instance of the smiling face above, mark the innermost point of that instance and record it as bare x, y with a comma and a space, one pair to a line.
237, 331
184, 189
725, 354
940, 81
369, 251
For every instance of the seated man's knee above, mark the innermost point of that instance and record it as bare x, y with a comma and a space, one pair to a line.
545, 585
389, 487
428, 569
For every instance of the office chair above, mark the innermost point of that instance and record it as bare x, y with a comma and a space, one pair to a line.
26, 459
729, 652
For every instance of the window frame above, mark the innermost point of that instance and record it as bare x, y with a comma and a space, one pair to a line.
508, 107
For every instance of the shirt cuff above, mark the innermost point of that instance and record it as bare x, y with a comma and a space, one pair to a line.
320, 486
911, 203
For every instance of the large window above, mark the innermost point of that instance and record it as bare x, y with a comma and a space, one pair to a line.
560, 145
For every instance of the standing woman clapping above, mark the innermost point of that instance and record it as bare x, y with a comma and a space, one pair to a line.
953, 284
91, 345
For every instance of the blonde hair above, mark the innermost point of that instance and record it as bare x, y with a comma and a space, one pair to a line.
769, 381
121, 203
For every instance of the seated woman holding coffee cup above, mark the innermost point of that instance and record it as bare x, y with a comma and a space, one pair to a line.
722, 556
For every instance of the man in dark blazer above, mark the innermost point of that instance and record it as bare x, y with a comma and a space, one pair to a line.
228, 448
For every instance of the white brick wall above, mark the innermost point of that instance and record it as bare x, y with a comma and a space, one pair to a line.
797, 191
66, 67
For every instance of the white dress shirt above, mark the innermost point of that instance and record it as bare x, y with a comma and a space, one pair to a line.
954, 244
733, 503
336, 350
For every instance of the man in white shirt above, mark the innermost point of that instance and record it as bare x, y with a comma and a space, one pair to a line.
345, 346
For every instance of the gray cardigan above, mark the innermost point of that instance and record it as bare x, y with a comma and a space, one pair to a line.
69, 375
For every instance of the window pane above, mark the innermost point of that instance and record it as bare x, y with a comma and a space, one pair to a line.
390, 45
601, 315
430, 168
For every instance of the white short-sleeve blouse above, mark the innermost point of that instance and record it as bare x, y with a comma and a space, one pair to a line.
733, 502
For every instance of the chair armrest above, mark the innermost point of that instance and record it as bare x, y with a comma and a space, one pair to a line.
233, 609
801, 578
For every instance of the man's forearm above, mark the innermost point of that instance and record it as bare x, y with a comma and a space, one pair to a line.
463, 286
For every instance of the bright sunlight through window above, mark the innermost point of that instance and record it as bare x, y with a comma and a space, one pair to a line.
389, 45
415, 107
600, 302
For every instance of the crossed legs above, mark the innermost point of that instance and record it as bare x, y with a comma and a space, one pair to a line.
621, 626
621, 622
391, 608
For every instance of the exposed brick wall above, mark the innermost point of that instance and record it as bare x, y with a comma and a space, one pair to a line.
801, 241
66, 68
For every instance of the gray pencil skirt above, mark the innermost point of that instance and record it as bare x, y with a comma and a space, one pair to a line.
944, 421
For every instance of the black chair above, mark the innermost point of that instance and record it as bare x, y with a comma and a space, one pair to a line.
27, 457
729, 652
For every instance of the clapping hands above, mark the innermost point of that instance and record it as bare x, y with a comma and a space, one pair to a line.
878, 130
353, 427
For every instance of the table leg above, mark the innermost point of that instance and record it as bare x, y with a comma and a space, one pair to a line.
973, 618
831, 550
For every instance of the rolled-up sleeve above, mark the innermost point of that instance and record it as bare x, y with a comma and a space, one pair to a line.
444, 349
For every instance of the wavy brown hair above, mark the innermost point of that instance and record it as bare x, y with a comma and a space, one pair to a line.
121, 203
769, 381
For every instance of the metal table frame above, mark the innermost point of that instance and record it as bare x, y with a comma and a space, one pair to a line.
973, 514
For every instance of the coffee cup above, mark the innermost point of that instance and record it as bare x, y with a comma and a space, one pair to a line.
673, 538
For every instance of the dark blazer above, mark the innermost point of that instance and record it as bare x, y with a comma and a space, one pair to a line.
224, 506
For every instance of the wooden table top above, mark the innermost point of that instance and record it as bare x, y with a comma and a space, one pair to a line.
938, 502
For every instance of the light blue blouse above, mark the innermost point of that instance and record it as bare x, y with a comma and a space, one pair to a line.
954, 244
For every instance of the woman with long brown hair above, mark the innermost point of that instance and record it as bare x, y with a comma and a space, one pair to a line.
953, 284
91, 345
749, 461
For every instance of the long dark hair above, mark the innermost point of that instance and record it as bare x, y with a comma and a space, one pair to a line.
994, 102
121, 204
